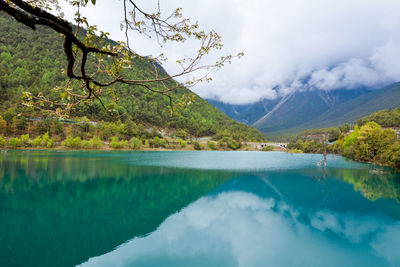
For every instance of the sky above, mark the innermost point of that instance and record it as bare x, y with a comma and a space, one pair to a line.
289, 45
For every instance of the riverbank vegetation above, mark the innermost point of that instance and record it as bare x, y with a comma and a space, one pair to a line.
375, 139
17, 131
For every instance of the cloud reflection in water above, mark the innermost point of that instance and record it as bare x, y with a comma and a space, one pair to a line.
242, 229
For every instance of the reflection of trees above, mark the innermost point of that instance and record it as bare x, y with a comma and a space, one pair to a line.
373, 184
62, 210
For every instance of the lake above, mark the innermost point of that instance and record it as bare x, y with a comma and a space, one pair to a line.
195, 208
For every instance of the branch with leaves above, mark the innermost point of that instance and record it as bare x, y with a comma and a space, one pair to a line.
84, 43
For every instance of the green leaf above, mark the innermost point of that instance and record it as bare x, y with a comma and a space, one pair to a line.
86, 1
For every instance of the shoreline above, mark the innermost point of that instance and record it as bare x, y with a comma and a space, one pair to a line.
140, 149
62, 149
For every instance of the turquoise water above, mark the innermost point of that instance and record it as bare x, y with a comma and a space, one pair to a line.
195, 209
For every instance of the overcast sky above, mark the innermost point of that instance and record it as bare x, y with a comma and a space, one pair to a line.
288, 44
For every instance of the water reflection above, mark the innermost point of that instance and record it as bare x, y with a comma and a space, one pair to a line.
264, 227
195, 209
59, 209
374, 184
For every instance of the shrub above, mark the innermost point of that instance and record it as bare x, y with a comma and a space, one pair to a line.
50, 143
95, 142
124, 144
116, 144
229, 142
268, 148
36, 142
14, 142
71, 142
130, 129
43, 141
232, 144
369, 143
212, 145
25, 141
221, 143
85, 144
108, 130
2, 141
158, 142
146, 143
393, 156
307, 146
135, 143
46, 141
154, 133
295, 151
181, 142
197, 145
182, 134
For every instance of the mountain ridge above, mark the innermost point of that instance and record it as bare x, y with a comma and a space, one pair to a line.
301, 107
309, 109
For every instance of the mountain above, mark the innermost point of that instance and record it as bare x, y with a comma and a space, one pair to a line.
32, 61
352, 110
312, 109
247, 114
347, 112
301, 107
290, 111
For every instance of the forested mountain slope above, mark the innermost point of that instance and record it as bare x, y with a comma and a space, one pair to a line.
32, 61
351, 111
288, 111
302, 107
385, 118
304, 110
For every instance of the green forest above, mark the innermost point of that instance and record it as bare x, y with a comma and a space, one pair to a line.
33, 61
385, 118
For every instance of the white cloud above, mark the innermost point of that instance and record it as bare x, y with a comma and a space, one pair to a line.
338, 43
353, 74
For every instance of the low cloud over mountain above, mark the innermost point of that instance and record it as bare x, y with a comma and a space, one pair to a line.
289, 45
309, 44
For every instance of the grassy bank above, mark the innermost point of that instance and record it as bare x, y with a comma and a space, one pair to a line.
95, 143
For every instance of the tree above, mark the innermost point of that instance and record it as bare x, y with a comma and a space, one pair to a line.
369, 143
3, 126
91, 45
85, 124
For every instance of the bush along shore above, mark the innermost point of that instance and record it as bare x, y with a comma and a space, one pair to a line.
115, 143
51, 133
367, 142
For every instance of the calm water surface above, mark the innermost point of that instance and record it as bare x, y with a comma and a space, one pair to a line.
195, 209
